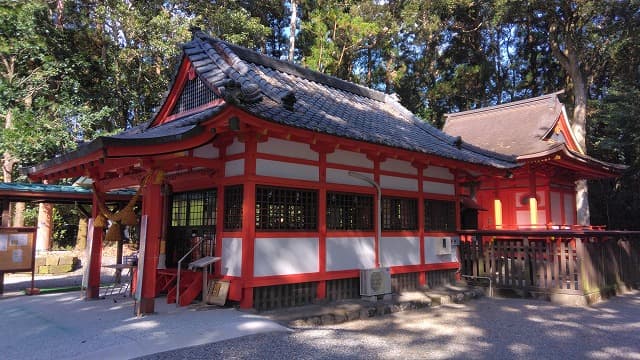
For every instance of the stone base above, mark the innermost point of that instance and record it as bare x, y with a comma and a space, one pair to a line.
375, 298
56, 263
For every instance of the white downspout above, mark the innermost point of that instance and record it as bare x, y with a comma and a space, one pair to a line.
379, 227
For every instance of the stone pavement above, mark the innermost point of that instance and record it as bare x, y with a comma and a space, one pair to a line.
62, 325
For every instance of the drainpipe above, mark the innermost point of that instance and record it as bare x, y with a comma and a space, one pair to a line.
379, 227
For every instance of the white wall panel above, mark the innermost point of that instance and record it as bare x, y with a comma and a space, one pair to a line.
338, 176
207, 151
523, 217
430, 255
286, 170
398, 183
349, 158
234, 168
350, 253
396, 251
287, 148
569, 212
231, 256
236, 147
285, 256
438, 173
400, 166
438, 188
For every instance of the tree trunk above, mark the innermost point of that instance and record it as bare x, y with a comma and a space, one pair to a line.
292, 30
18, 214
45, 228
568, 58
81, 238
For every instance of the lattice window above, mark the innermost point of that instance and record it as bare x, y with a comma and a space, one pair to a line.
179, 208
233, 196
286, 209
349, 211
196, 208
194, 94
439, 215
399, 213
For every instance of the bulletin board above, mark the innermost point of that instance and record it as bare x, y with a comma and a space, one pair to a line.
17, 249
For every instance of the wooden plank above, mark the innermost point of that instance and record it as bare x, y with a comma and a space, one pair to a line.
563, 264
571, 259
500, 261
492, 263
553, 263
526, 271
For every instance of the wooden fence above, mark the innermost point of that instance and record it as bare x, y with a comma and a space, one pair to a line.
552, 262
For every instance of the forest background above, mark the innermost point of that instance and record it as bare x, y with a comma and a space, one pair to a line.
71, 71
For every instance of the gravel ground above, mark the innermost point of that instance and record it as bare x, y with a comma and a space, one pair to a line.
481, 329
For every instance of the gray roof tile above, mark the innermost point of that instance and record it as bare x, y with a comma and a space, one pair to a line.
323, 104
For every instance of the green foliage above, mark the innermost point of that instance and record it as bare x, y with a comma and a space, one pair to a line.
615, 136
65, 227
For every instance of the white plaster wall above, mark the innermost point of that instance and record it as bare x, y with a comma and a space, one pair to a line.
346, 253
234, 168
287, 148
542, 217
285, 256
231, 256
556, 208
236, 147
396, 251
207, 151
569, 213
400, 166
338, 176
398, 183
438, 173
286, 170
433, 187
523, 217
430, 254
349, 158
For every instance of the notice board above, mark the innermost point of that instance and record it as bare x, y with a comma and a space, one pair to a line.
17, 249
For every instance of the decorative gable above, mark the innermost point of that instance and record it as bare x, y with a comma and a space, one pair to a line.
195, 94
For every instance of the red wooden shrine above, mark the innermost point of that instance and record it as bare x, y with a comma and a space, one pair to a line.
267, 159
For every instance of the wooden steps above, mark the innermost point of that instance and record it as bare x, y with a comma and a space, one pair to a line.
190, 288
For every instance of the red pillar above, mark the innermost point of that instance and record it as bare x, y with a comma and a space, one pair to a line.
248, 220
93, 286
152, 205
422, 276
321, 290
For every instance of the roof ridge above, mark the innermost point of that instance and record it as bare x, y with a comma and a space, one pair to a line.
296, 70
507, 105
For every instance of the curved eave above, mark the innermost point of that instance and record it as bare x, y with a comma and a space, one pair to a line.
584, 166
101, 148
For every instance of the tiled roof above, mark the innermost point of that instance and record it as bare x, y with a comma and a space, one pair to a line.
521, 129
516, 128
291, 95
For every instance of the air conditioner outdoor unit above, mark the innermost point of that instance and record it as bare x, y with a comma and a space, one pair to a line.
443, 246
375, 281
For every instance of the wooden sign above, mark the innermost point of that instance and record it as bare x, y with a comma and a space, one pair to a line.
217, 292
17, 249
